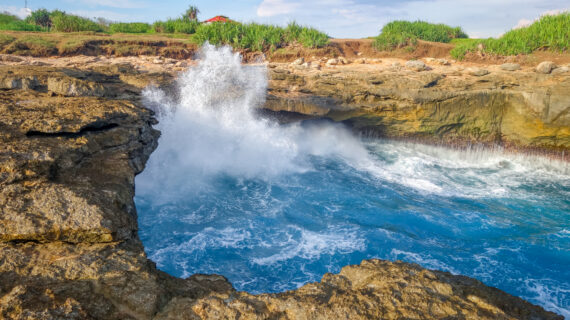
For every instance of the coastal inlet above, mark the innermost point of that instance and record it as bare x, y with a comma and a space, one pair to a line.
275, 206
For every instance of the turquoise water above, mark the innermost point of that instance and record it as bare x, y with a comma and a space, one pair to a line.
273, 207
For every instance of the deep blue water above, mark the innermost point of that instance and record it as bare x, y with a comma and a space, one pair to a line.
272, 207
502, 219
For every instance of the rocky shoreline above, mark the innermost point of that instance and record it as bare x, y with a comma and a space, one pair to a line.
74, 134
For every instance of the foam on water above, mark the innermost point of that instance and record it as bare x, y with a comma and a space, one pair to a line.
273, 207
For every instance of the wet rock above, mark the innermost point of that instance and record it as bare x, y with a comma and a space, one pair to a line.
510, 66
545, 67
416, 65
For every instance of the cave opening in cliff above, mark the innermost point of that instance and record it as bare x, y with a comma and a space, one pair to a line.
274, 206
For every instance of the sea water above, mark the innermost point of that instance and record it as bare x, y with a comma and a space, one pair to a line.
273, 207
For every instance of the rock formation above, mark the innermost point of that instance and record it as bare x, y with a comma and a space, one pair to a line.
517, 109
72, 141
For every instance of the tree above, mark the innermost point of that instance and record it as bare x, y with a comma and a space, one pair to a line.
192, 13
40, 18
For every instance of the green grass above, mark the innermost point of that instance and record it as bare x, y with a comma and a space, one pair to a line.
32, 45
398, 34
62, 22
134, 27
258, 37
5, 40
180, 25
548, 33
13, 23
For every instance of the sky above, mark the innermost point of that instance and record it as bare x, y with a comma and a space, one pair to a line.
338, 18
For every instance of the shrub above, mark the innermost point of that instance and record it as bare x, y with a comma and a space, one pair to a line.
312, 38
180, 25
258, 37
549, 32
63, 22
397, 34
6, 18
20, 26
134, 27
40, 18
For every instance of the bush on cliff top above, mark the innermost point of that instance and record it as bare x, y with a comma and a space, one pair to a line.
259, 37
13, 23
550, 32
398, 34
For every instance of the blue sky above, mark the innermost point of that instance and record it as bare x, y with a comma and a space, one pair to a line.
338, 18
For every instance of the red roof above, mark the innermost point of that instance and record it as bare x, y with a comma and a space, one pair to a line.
218, 19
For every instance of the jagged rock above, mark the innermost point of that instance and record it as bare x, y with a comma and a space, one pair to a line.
416, 65
560, 70
69, 247
298, 62
75, 87
10, 58
510, 66
477, 72
516, 109
332, 62
545, 67
442, 62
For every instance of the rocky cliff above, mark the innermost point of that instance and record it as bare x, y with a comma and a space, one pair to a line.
71, 143
448, 104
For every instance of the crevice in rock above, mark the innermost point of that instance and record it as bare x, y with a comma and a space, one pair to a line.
90, 128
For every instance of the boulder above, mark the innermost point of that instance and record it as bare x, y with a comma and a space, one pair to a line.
442, 62
477, 72
510, 66
332, 62
360, 61
298, 62
560, 70
545, 67
416, 65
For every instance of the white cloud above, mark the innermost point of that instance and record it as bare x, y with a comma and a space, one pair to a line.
269, 8
523, 23
19, 12
121, 4
109, 15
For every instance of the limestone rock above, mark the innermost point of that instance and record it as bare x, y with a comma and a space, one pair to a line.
10, 58
477, 72
510, 66
75, 87
332, 62
560, 70
298, 62
545, 67
416, 65
442, 62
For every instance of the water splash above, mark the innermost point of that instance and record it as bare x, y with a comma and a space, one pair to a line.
273, 207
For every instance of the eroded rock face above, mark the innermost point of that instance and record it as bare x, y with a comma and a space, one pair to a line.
523, 110
68, 232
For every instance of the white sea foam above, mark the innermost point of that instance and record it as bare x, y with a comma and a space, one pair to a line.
311, 245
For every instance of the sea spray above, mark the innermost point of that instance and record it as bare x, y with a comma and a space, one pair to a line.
273, 207
210, 127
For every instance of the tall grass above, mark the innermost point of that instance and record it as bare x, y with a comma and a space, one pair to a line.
11, 22
180, 25
63, 22
258, 37
549, 33
398, 34
133, 27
